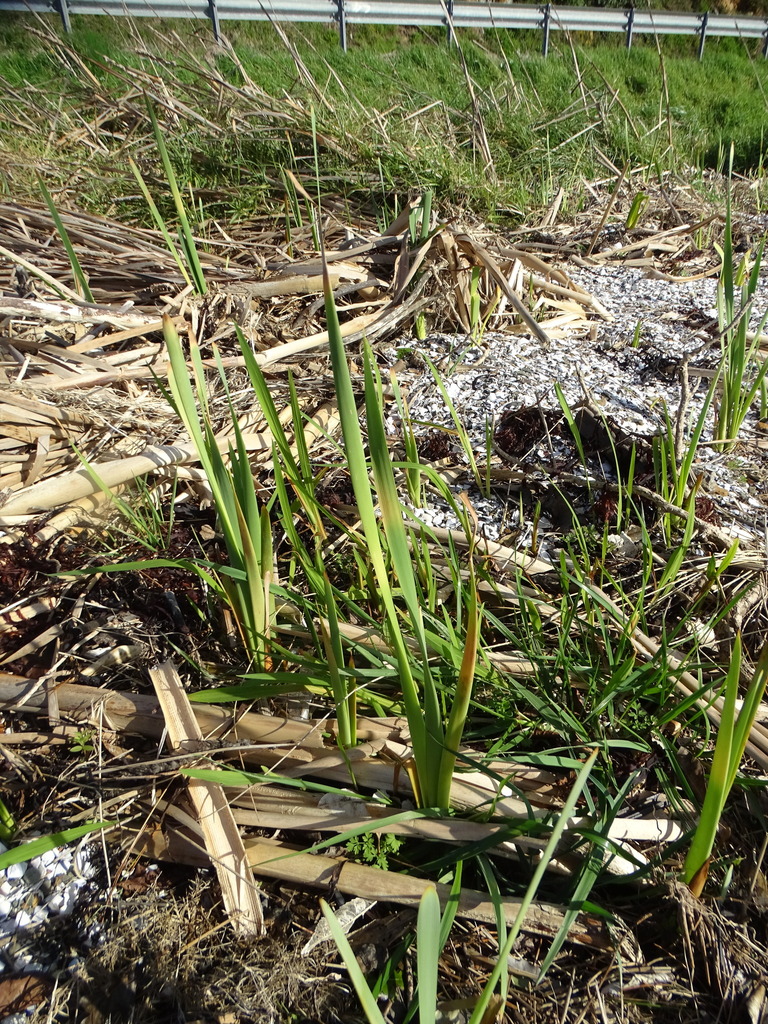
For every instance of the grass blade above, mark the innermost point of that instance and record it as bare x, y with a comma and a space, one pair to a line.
159, 222
717, 785
530, 893
400, 553
358, 470
356, 976
37, 847
81, 281
186, 235
428, 953
461, 700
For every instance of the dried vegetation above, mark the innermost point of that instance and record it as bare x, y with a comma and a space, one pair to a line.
83, 381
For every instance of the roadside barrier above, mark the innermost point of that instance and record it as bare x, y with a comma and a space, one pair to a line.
451, 14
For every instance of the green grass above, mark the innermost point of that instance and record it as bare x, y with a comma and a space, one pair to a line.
593, 701
37, 847
531, 109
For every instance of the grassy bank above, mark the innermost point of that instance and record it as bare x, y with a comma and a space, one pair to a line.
492, 126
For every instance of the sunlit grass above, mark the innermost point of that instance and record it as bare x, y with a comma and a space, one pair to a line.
732, 737
243, 520
592, 687
540, 139
742, 371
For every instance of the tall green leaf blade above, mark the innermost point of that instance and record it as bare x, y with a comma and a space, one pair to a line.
428, 953
81, 281
748, 712
364, 994
461, 699
400, 553
717, 785
159, 222
530, 893
186, 236
358, 470
346, 704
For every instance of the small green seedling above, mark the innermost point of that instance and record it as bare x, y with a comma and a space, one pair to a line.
82, 742
639, 203
373, 848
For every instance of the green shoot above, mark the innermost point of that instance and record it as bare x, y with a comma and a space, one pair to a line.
427, 958
356, 976
413, 478
461, 700
82, 742
388, 543
732, 737
432, 931
426, 214
639, 203
419, 219
672, 469
461, 430
474, 302
576, 433
148, 527
344, 696
428, 748
358, 470
37, 847
738, 354
477, 320
7, 824
160, 222
81, 281
678, 555
533, 886
428, 953
246, 527
186, 235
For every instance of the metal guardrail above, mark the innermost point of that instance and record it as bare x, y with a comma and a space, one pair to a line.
451, 14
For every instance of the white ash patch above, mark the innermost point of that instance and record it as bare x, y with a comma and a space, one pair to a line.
630, 367
517, 371
630, 293
34, 891
495, 516
670, 318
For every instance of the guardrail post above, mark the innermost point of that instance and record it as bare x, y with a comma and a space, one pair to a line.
703, 33
547, 15
64, 12
765, 42
341, 16
449, 20
630, 26
213, 14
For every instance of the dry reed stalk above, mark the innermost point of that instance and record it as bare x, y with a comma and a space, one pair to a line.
278, 860
220, 832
